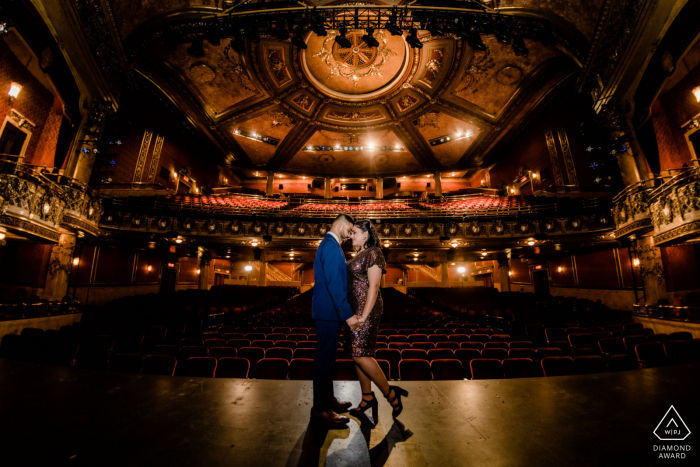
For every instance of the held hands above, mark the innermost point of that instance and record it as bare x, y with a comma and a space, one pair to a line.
354, 323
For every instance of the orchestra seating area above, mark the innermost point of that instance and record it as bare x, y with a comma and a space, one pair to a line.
478, 202
225, 202
355, 207
234, 332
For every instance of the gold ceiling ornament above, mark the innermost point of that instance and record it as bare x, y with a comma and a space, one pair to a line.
279, 118
234, 71
479, 68
358, 62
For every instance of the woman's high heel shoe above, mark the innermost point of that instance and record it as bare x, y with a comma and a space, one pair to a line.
398, 393
369, 404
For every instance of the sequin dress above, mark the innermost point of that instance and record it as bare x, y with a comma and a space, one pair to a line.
363, 343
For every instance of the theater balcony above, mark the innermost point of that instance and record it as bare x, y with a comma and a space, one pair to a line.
39, 205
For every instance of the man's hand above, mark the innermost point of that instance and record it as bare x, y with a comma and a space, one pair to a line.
353, 323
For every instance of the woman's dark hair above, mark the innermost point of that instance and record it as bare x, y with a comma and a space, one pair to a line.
367, 226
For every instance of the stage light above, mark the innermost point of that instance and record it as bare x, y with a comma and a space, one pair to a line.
196, 49
369, 40
392, 27
15, 89
476, 43
412, 39
76, 260
461, 270
501, 32
298, 40
519, 46
342, 41
434, 29
696, 93
317, 27
249, 268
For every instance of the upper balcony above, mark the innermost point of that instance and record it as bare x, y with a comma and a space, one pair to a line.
40, 205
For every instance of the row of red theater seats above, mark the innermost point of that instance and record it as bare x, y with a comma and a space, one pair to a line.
354, 207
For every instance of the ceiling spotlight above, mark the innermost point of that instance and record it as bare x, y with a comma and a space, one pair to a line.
519, 46
392, 27
342, 41
298, 40
434, 29
196, 49
501, 32
412, 39
369, 40
317, 27
476, 43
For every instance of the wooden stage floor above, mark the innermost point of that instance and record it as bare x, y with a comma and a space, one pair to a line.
54, 416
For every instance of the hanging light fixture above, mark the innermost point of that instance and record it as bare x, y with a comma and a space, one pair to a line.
342, 41
369, 39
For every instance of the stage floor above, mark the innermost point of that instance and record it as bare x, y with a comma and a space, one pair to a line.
53, 416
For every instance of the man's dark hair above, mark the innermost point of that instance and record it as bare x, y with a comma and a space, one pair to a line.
343, 217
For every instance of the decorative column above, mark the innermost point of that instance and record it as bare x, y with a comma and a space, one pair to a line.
379, 188
262, 274
437, 178
444, 276
504, 269
204, 273
80, 163
651, 269
327, 187
60, 265
270, 189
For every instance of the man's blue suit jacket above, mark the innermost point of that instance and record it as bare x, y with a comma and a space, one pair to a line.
330, 301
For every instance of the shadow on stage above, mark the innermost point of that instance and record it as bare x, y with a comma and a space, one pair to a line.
313, 446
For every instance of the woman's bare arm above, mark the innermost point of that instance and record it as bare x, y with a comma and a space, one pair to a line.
374, 274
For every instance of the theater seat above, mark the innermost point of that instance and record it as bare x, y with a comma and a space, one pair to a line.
423, 345
280, 352
446, 369
558, 366
301, 369
496, 345
650, 355
681, 336
386, 368
414, 354
202, 367
499, 354
221, 352
344, 370
232, 367
172, 350
238, 343
471, 345
159, 365
614, 351
189, 351
440, 354
126, 363
678, 351
486, 368
209, 343
253, 355
544, 352
589, 364
272, 368
393, 356
523, 353
465, 356
520, 367
304, 354
414, 370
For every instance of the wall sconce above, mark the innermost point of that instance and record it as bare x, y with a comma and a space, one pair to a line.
635, 262
254, 244
248, 268
178, 239
455, 245
696, 93
76, 261
510, 273
198, 271
2, 234
461, 270
534, 175
15, 88
149, 268
530, 242
560, 269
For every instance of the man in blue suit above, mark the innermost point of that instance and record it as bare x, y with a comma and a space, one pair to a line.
330, 308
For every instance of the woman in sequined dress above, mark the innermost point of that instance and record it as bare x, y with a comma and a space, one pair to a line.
364, 277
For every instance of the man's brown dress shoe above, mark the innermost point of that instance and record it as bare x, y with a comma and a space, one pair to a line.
329, 419
340, 407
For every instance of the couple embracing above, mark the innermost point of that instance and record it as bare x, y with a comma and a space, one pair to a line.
348, 293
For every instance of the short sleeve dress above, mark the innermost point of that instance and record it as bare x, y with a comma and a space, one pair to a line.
363, 342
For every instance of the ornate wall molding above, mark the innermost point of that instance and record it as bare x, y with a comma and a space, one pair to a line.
143, 153
568, 157
155, 159
553, 156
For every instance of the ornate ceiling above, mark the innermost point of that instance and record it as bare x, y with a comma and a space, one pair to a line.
356, 111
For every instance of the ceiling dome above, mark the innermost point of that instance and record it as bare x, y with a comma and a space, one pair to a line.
358, 72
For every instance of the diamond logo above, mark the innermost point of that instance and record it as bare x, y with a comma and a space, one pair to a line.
671, 427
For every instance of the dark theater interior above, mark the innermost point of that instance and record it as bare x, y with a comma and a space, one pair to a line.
172, 173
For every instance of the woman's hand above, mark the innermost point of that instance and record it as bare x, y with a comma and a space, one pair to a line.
361, 320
